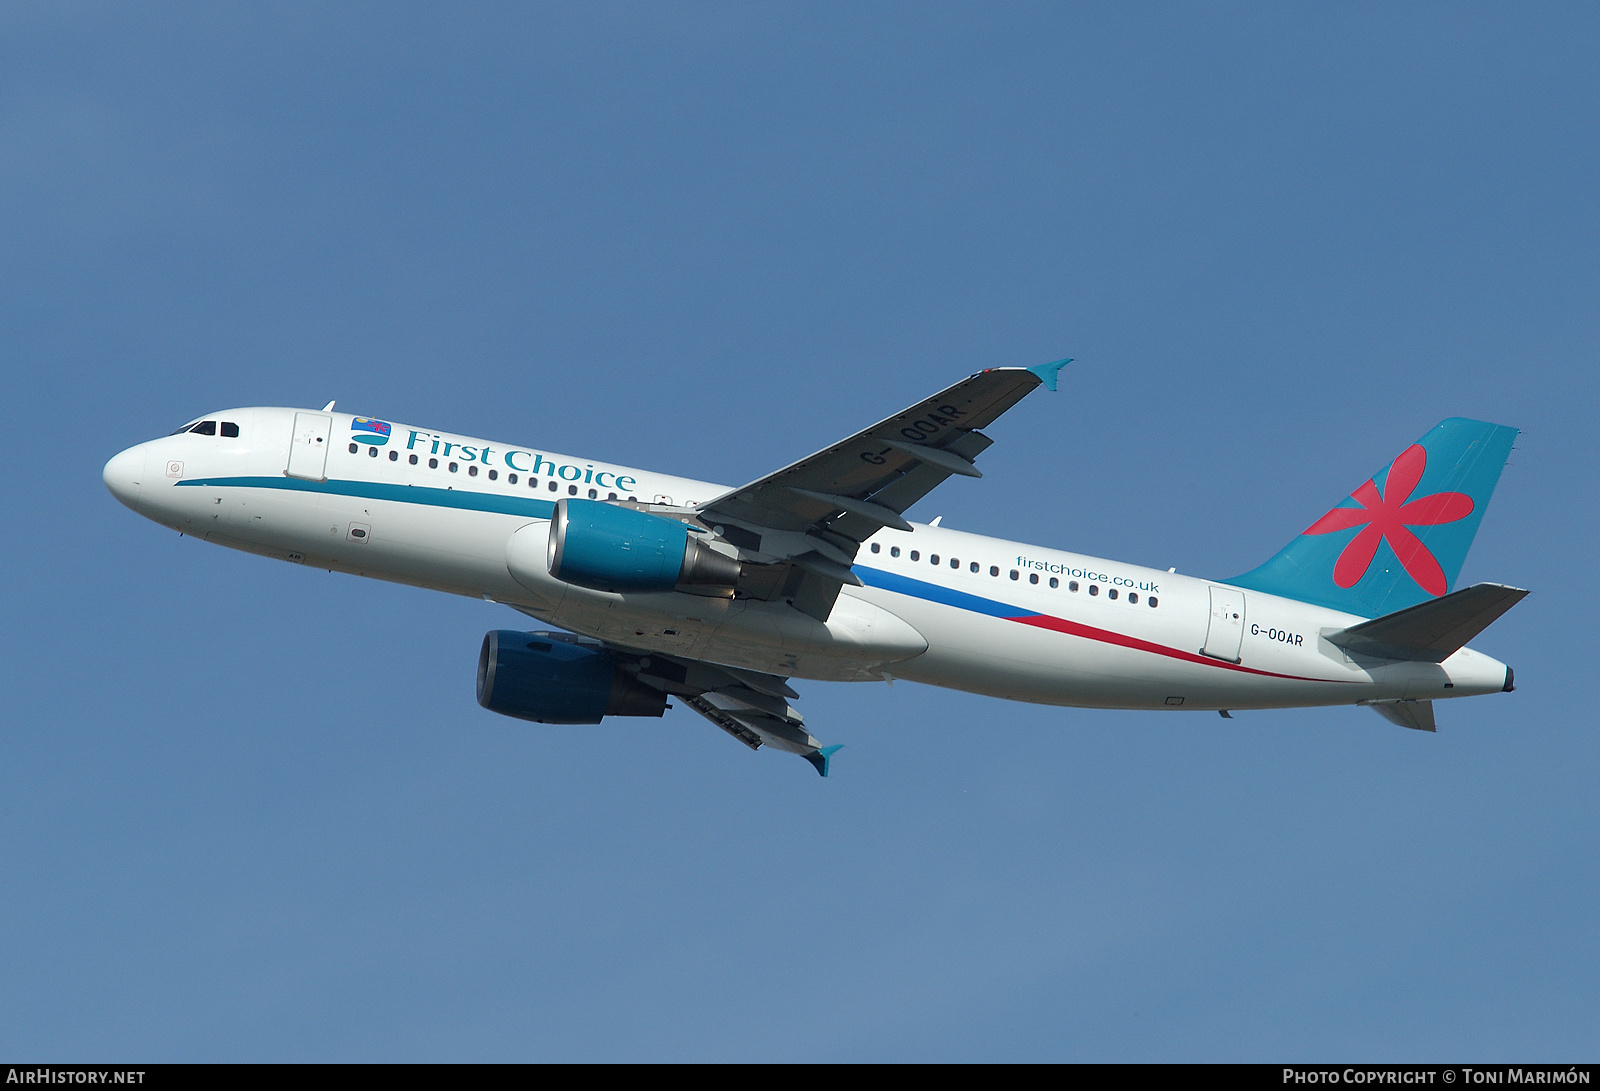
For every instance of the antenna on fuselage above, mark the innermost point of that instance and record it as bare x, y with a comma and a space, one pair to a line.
329, 407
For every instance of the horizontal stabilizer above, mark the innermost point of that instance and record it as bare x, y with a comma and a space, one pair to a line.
1433, 631
1417, 715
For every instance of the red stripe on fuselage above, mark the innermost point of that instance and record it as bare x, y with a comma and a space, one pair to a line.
1106, 636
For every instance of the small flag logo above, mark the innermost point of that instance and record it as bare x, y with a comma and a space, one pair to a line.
367, 430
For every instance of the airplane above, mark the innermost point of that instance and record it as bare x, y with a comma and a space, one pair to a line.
663, 588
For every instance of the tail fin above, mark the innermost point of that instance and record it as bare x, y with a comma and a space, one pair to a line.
1402, 537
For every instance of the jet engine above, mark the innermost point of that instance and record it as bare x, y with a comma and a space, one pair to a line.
547, 678
609, 548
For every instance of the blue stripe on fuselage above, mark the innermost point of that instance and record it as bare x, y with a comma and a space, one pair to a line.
402, 494
905, 585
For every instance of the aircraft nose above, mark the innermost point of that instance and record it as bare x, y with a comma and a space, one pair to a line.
123, 474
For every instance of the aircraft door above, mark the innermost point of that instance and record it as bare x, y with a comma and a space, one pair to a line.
1226, 631
308, 451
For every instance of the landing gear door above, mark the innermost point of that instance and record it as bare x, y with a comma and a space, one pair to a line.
1226, 630
308, 451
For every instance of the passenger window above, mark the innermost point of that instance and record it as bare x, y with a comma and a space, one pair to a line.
915, 556
876, 548
1033, 578
1152, 601
394, 456
511, 479
954, 563
1073, 586
593, 495
433, 464
494, 474
1013, 573
1054, 582
1094, 589
1133, 597
974, 566
472, 471
454, 466
1112, 593
553, 486
572, 490
354, 448
205, 428
994, 570
372, 452
230, 430
894, 551
933, 558
611, 496
413, 460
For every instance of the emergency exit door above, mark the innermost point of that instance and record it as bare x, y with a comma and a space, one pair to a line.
308, 452
1226, 631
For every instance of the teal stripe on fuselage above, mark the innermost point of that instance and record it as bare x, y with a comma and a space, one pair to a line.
401, 494
545, 509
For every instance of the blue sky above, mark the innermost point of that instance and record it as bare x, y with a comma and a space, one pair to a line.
249, 811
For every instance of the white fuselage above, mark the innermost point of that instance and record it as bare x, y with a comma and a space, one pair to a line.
939, 606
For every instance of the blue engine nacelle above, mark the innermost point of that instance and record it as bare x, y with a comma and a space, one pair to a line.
539, 677
609, 548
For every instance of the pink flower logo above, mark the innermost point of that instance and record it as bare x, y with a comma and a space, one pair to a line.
1387, 518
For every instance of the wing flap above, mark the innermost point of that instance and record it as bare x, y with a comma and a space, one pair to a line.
728, 723
751, 706
1417, 715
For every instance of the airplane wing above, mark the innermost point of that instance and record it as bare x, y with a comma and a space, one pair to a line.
815, 513
752, 707
756, 727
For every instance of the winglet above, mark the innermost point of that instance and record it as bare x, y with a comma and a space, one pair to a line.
819, 758
1047, 372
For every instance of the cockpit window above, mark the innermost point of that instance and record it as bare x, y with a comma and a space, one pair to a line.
181, 431
205, 428
230, 430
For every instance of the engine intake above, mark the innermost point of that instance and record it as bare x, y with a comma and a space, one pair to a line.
535, 676
609, 548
